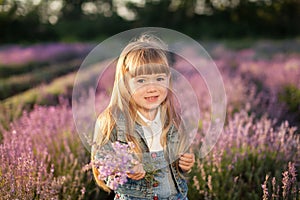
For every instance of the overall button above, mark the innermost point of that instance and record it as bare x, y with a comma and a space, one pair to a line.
155, 183
153, 155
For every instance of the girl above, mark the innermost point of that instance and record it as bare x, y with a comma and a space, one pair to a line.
141, 111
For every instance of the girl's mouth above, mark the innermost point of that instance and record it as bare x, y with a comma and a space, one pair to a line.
151, 99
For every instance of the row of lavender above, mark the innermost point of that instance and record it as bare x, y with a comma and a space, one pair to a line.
24, 67
256, 157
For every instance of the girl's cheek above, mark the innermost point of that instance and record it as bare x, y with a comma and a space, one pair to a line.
138, 89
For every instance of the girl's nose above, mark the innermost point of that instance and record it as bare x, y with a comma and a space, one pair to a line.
151, 88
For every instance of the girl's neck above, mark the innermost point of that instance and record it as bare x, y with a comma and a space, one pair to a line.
148, 114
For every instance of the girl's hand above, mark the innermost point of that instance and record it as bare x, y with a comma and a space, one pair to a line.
186, 161
138, 172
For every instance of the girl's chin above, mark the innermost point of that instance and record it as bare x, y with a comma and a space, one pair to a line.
149, 108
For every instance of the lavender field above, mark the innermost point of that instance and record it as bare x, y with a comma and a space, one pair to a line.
256, 157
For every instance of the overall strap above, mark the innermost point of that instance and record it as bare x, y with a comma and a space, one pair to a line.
138, 133
121, 129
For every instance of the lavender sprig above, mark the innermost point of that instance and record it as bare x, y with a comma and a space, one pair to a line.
114, 164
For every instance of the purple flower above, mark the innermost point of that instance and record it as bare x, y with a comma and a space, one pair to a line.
114, 164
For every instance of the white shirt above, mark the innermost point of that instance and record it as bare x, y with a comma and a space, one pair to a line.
153, 131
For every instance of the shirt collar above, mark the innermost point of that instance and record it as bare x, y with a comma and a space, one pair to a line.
149, 122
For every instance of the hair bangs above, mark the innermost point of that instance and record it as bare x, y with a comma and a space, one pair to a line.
147, 61
148, 69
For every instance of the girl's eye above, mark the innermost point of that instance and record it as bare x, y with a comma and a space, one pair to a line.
140, 80
160, 79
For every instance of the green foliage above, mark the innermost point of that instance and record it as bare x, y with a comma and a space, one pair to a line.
6, 71
240, 179
24, 29
291, 96
88, 29
8, 114
239, 44
248, 19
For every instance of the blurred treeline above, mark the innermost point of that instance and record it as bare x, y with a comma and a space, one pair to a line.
86, 20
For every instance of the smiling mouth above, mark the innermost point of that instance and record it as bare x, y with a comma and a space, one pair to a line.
152, 98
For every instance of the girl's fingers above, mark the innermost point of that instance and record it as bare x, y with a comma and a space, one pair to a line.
187, 157
184, 167
138, 172
136, 176
186, 161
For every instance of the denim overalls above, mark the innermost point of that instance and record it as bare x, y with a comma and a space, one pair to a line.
170, 185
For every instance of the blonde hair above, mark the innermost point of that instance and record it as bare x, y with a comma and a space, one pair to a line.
145, 55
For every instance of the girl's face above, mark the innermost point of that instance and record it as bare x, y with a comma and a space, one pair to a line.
149, 91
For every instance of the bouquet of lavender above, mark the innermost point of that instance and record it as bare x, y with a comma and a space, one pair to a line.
114, 164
